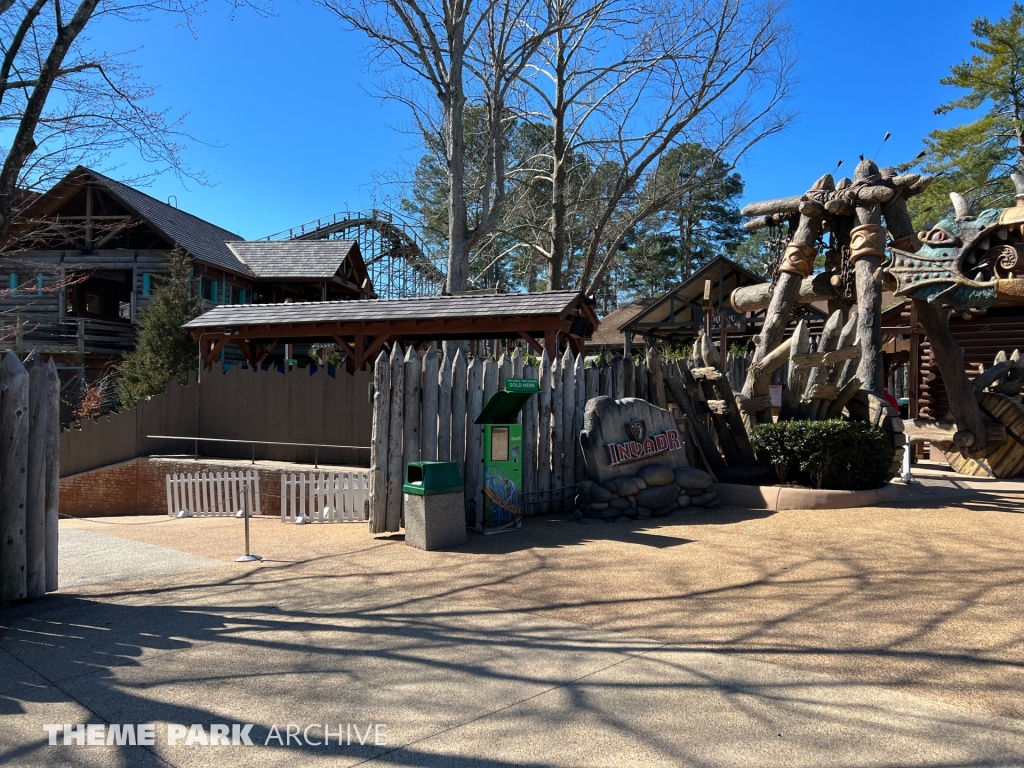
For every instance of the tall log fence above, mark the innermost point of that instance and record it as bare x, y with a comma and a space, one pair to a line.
425, 408
29, 476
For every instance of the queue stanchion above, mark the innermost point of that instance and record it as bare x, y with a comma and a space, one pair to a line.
248, 557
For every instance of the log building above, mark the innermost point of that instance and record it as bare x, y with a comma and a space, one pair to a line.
82, 262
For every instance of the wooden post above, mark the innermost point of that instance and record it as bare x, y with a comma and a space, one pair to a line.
657, 383
444, 410
607, 389
13, 468
429, 428
847, 337
796, 379
35, 493
474, 438
723, 391
490, 379
593, 383
504, 369
530, 413
818, 375
459, 411
569, 436
555, 436
681, 394
628, 377
393, 519
412, 370
544, 432
579, 376
52, 473
618, 378
379, 444
867, 253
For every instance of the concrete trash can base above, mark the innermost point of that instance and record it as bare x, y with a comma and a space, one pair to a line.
435, 522
435, 507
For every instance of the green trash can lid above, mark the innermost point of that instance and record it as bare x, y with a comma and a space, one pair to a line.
426, 478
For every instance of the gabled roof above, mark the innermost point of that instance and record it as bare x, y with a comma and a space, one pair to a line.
691, 291
309, 259
609, 334
205, 242
422, 308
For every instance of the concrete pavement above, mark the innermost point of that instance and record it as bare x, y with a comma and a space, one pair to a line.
737, 639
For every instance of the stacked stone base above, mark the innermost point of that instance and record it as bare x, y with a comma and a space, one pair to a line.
655, 491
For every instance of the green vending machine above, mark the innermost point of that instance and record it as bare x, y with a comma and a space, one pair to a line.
503, 457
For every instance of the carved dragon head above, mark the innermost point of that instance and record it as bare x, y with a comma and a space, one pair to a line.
968, 261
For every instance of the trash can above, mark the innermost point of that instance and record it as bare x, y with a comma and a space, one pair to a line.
435, 507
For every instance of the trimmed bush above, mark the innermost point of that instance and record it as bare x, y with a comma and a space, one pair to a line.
833, 454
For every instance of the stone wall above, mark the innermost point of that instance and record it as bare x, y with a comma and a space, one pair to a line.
655, 491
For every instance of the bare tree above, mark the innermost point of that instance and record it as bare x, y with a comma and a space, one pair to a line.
442, 57
625, 81
64, 104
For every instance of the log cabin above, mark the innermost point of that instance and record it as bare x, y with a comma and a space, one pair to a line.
82, 262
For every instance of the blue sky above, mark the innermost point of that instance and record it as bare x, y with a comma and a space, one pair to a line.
284, 100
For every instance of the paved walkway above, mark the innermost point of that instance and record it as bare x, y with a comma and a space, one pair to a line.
876, 637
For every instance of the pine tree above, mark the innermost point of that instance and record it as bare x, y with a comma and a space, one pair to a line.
977, 158
163, 349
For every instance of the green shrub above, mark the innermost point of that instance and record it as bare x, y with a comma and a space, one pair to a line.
833, 454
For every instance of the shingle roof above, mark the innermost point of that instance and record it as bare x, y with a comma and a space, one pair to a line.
204, 241
422, 308
293, 258
609, 333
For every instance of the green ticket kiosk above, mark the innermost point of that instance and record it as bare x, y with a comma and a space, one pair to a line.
503, 457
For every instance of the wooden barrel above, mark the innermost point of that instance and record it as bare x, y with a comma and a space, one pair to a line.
1004, 460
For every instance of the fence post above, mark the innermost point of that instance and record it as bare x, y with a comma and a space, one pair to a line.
555, 436
379, 444
618, 378
459, 411
530, 447
428, 434
544, 433
35, 493
444, 409
13, 466
628, 376
393, 519
474, 438
52, 472
412, 375
577, 424
568, 450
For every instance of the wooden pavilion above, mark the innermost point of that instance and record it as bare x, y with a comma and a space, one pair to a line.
546, 321
702, 302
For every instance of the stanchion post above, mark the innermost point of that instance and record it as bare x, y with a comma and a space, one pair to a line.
247, 557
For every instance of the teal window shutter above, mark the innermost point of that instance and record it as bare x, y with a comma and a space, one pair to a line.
241, 296
14, 281
147, 283
39, 284
213, 291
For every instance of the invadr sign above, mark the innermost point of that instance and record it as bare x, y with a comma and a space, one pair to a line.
642, 446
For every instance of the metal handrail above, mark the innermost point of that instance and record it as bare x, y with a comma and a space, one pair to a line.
315, 446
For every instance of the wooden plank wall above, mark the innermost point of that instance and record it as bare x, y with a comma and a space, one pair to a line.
241, 404
980, 339
553, 462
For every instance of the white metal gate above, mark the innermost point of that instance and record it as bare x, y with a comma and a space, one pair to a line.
325, 497
213, 493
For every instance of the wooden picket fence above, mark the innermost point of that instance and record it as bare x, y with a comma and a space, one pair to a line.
213, 494
425, 406
325, 497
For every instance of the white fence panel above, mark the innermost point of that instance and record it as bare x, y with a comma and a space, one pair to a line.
325, 497
213, 494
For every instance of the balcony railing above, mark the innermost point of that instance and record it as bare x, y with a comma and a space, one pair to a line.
61, 336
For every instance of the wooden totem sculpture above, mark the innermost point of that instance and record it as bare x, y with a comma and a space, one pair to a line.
964, 264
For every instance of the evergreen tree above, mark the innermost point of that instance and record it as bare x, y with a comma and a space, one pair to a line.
977, 158
163, 349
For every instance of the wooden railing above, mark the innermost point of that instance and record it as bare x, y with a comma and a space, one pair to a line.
68, 335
